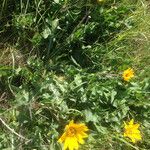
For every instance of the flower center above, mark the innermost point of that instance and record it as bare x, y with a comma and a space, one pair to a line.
130, 131
127, 75
71, 131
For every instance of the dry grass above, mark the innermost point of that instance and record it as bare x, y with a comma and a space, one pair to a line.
10, 56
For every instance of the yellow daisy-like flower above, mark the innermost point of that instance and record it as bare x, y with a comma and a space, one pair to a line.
128, 74
131, 131
73, 135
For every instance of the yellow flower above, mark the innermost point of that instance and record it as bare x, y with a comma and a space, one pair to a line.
128, 74
73, 135
131, 131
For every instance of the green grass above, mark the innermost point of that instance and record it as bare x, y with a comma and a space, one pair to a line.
63, 61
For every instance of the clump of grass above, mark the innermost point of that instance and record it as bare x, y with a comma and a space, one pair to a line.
11, 56
136, 39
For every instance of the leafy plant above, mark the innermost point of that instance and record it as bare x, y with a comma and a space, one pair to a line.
74, 54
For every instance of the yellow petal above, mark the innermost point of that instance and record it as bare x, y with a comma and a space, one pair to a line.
133, 140
131, 122
136, 126
80, 138
125, 125
71, 122
124, 134
66, 143
62, 138
83, 134
71, 143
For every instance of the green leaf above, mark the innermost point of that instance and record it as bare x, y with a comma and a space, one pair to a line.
55, 24
46, 32
56, 1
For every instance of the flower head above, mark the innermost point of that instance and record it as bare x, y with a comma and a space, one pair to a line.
128, 74
131, 131
73, 135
